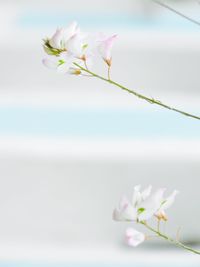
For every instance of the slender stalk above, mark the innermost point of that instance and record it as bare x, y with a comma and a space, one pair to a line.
109, 73
169, 239
85, 64
178, 234
176, 12
158, 225
148, 99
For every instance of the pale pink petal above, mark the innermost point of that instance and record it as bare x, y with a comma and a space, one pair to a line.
125, 211
133, 237
123, 202
49, 63
105, 47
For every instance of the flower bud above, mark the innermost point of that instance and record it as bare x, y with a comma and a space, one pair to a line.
74, 71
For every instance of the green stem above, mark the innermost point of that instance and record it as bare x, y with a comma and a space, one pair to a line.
169, 239
158, 225
148, 99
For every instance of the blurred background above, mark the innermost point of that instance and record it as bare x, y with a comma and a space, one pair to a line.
71, 146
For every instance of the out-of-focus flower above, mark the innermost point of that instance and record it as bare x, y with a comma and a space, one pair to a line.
156, 205
133, 237
132, 211
144, 205
105, 48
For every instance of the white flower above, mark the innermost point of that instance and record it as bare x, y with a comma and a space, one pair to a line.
157, 204
62, 35
151, 204
132, 211
82, 46
133, 237
62, 63
105, 48
144, 205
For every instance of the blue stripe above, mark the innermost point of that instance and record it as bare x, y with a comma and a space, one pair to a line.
102, 20
15, 264
97, 123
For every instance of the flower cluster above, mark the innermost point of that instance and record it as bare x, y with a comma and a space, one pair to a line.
142, 208
69, 45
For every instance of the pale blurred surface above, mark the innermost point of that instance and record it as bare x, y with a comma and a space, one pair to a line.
70, 146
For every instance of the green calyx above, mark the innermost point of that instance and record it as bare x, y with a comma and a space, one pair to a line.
50, 50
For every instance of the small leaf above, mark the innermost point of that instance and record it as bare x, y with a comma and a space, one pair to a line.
85, 46
61, 62
140, 210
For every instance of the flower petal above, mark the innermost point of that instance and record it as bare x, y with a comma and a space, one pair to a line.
136, 199
151, 205
105, 47
62, 36
169, 201
70, 31
133, 237
125, 211
56, 39
49, 63
146, 214
146, 192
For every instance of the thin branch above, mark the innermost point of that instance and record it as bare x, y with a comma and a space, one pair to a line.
177, 12
148, 99
169, 239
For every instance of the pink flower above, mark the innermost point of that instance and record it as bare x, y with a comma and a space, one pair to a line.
133, 237
105, 48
